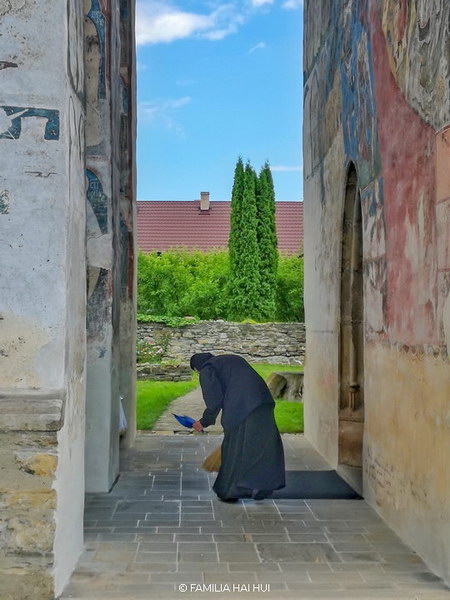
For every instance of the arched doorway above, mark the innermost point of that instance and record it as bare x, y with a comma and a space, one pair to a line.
351, 357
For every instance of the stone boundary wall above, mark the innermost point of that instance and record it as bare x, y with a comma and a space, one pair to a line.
280, 343
159, 372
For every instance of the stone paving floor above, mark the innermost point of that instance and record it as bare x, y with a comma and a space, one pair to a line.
162, 528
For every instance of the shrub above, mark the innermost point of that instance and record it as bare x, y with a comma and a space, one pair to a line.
153, 351
169, 321
181, 282
289, 296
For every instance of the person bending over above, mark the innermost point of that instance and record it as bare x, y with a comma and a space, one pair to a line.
252, 451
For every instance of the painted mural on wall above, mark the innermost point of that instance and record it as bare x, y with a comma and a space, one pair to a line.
417, 36
12, 122
377, 93
367, 82
98, 200
7, 64
59, 115
4, 202
98, 276
359, 118
75, 61
375, 267
97, 17
97, 308
407, 148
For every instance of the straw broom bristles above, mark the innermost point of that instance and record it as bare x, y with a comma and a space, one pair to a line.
213, 461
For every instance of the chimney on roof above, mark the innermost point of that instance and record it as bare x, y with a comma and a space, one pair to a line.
204, 201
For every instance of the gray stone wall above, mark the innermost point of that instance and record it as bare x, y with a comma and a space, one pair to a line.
161, 372
281, 343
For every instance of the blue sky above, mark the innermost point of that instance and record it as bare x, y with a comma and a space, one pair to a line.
217, 80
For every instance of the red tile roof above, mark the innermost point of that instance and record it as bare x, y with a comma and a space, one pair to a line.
166, 224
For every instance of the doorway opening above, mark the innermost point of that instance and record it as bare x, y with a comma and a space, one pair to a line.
351, 355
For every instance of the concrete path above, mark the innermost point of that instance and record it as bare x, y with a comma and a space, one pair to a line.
191, 404
162, 531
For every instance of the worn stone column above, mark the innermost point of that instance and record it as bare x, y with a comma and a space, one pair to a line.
110, 139
128, 246
42, 296
102, 399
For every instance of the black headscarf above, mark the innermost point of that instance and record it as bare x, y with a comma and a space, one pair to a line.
198, 360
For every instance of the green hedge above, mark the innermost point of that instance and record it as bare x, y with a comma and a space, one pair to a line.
180, 283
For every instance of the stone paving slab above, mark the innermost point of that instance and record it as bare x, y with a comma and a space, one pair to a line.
162, 527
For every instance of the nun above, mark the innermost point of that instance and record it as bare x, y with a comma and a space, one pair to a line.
252, 463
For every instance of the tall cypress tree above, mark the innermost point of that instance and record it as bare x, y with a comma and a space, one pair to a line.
236, 217
267, 242
244, 292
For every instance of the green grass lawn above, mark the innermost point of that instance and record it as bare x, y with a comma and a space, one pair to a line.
153, 397
289, 416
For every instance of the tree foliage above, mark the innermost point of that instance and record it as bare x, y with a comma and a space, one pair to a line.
289, 289
244, 284
181, 283
267, 241
249, 282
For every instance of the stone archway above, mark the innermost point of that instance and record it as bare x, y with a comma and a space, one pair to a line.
351, 347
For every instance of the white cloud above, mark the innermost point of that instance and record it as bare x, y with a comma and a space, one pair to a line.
159, 21
292, 4
164, 112
259, 46
286, 169
261, 2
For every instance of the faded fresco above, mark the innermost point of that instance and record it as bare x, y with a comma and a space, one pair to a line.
12, 122
110, 238
377, 96
67, 290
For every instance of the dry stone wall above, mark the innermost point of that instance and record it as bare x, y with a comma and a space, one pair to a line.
281, 343
161, 372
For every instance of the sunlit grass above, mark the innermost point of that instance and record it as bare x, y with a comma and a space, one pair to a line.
289, 416
154, 397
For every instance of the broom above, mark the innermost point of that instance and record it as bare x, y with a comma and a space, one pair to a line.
213, 461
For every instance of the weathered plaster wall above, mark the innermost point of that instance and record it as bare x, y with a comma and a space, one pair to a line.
377, 94
128, 245
44, 217
42, 354
110, 172
322, 272
102, 390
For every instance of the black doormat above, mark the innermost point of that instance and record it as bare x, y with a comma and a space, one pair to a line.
306, 485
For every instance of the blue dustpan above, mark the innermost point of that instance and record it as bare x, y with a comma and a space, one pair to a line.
184, 420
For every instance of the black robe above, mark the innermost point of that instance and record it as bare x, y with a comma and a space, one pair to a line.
252, 450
